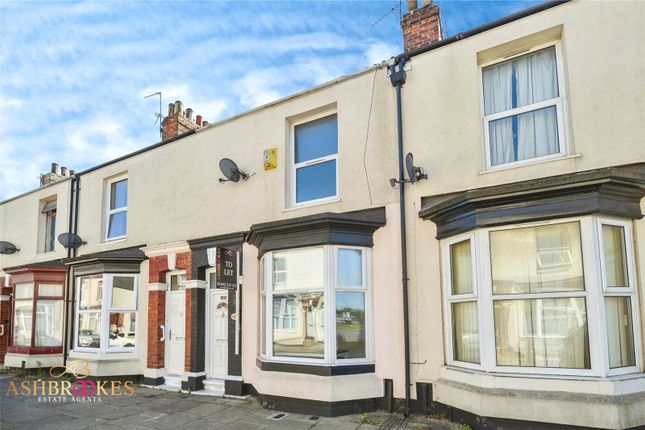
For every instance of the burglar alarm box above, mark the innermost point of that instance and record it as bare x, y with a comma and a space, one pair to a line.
270, 158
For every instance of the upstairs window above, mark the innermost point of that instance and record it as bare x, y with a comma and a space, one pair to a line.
117, 209
314, 160
523, 116
48, 225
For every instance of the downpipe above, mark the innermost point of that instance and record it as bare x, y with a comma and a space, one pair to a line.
397, 78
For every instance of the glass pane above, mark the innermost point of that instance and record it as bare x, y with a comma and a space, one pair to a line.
522, 81
50, 231
49, 323
350, 267
465, 325
24, 291
527, 135
123, 292
50, 290
118, 224
350, 325
316, 182
22, 322
177, 282
542, 333
613, 240
122, 329
537, 259
212, 280
298, 325
461, 268
89, 329
300, 269
316, 139
263, 346
119, 194
620, 334
91, 292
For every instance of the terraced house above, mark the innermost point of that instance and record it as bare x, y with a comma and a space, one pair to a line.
494, 276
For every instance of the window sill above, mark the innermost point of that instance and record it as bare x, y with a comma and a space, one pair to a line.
115, 240
529, 162
315, 369
313, 204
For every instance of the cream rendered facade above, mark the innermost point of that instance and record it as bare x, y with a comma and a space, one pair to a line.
174, 198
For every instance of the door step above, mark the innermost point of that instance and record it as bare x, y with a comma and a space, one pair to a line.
212, 387
172, 382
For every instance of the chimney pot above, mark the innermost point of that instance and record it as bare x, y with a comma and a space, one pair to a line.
189, 114
54, 169
204, 123
198, 120
171, 109
412, 4
63, 171
179, 108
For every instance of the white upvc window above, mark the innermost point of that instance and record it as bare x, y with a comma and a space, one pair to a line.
314, 160
316, 305
116, 208
523, 107
555, 297
106, 313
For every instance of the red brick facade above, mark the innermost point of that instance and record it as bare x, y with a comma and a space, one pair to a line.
5, 319
158, 267
421, 26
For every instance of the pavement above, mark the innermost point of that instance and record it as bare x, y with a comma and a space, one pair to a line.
149, 408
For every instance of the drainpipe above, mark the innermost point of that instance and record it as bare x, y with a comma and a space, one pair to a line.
397, 78
72, 228
72, 184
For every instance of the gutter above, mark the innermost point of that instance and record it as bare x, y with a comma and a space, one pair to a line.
480, 29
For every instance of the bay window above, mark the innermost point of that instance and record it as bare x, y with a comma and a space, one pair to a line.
106, 312
315, 305
555, 297
45, 300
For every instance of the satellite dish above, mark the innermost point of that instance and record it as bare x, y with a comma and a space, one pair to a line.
8, 248
414, 173
231, 171
70, 240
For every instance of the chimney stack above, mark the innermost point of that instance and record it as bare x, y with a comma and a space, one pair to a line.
179, 121
55, 174
421, 25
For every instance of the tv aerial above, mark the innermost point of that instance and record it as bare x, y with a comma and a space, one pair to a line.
415, 173
158, 115
231, 172
70, 240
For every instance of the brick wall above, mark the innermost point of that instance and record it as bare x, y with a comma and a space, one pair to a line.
179, 121
421, 26
5, 317
156, 318
157, 269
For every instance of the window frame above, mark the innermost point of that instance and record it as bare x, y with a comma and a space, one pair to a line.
560, 103
329, 289
109, 212
293, 166
594, 293
105, 311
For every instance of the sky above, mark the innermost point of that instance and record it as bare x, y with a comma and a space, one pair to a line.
73, 75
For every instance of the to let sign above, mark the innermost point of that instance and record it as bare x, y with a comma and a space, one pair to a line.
226, 269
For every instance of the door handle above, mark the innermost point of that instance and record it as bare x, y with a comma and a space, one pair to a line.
163, 333
1, 329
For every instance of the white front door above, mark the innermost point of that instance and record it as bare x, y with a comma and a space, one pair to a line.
217, 332
175, 331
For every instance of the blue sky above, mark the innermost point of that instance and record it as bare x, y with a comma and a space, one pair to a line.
74, 74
